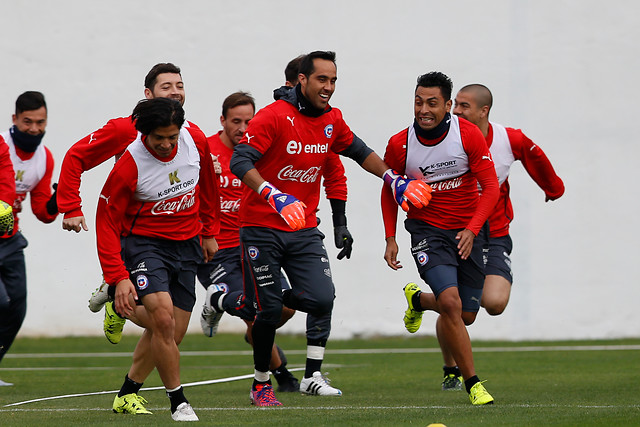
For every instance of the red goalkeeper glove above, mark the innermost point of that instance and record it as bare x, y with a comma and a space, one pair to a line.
289, 208
407, 190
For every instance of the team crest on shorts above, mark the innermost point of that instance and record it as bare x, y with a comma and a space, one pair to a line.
253, 252
142, 282
223, 287
422, 258
328, 131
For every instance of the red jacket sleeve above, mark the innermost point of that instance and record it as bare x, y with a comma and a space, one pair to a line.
535, 163
395, 157
7, 175
92, 150
482, 167
41, 193
115, 196
209, 187
335, 180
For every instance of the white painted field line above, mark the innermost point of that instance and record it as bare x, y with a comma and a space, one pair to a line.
338, 351
96, 393
339, 408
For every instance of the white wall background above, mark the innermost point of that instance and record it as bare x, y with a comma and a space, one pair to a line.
563, 71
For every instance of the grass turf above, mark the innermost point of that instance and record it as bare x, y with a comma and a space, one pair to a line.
549, 383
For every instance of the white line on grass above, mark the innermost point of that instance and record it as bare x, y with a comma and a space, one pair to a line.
337, 351
96, 393
338, 408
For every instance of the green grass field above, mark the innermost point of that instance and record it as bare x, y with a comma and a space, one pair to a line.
386, 381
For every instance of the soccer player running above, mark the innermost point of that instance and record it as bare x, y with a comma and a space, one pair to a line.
164, 80
447, 237
222, 276
22, 151
155, 222
280, 159
473, 103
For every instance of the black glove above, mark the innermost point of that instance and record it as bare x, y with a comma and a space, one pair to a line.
344, 241
52, 204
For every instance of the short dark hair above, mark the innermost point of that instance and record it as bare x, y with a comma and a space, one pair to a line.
237, 99
293, 69
436, 79
29, 101
306, 64
481, 93
150, 114
161, 68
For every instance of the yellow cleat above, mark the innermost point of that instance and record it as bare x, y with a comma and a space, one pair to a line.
113, 324
412, 318
130, 404
451, 382
479, 395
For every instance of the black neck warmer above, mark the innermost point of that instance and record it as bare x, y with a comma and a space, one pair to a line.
25, 141
305, 107
437, 132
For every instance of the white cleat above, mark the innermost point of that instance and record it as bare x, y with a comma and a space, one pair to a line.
210, 317
318, 385
184, 412
5, 384
99, 298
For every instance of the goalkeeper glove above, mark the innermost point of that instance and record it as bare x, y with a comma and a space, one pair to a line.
289, 208
407, 190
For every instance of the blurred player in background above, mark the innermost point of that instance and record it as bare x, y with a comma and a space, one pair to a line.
33, 165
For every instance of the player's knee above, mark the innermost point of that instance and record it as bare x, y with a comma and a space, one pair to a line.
494, 306
468, 317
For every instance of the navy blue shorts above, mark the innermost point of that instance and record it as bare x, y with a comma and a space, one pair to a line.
434, 247
303, 257
498, 260
161, 265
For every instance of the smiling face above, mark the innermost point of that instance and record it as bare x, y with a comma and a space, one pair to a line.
32, 122
168, 85
430, 107
321, 84
467, 107
235, 124
162, 140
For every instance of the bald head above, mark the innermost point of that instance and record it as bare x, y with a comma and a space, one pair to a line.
481, 94
473, 102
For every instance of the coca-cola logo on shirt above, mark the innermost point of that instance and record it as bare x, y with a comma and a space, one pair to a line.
288, 173
229, 205
175, 205
449, 184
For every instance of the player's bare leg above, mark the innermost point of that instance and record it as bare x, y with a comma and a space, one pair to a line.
495, 295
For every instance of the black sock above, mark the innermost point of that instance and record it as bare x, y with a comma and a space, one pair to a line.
111, 291
449, 370
129, 386
263, 336
215, 299
281, 373
176, 398
313, 365
415, 301
471, 382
